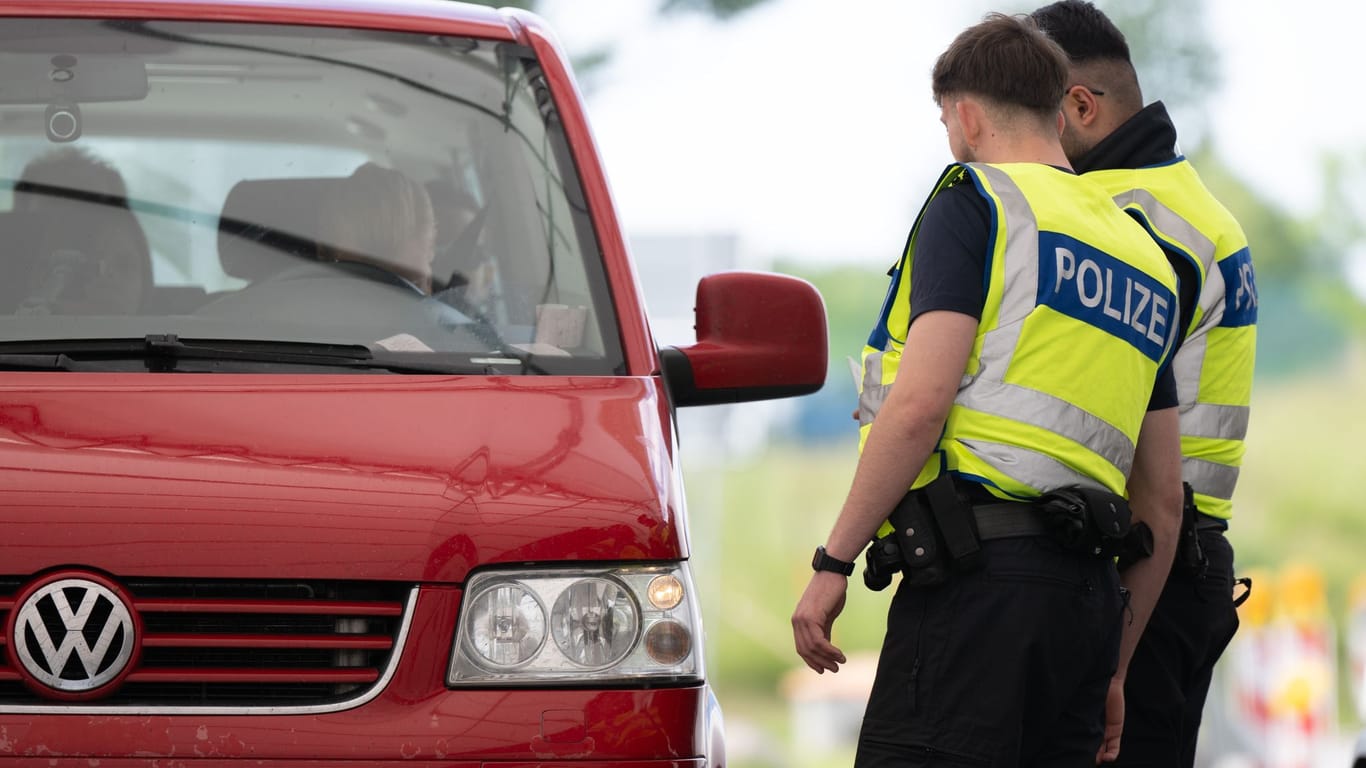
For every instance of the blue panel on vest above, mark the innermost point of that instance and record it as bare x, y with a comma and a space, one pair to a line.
880, 334
1240, 290
1094, 287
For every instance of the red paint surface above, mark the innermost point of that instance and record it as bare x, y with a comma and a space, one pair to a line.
426, 16
329, 477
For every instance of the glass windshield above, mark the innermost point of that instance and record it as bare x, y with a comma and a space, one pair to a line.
412, 195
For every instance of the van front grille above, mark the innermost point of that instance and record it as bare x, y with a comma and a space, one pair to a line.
243, 644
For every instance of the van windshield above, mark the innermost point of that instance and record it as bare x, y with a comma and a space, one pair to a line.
408, 196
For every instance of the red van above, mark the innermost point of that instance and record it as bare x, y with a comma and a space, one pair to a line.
331, 423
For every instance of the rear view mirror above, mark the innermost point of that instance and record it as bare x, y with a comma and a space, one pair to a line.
42, 78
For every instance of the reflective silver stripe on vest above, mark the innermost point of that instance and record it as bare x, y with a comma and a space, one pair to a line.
1021, 254
1212, 295
1209, 478
1044, 472
1223, 422
1190, 358
1169, 223
1189, 362
1039, 409
872, 392
988, 393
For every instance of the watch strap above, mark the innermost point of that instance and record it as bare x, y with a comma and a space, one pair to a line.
822, 561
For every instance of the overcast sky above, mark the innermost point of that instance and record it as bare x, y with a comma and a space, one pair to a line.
806, 126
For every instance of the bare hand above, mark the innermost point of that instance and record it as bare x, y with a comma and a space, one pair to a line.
813, 618
1114, 722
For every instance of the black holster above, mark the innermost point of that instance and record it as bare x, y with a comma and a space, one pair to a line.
1138, 545
934, 534
1190, 557
1090, 521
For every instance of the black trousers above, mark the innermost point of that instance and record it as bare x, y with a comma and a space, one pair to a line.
1007, 665
1169, 676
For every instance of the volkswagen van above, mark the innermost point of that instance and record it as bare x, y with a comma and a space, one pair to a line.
332, 427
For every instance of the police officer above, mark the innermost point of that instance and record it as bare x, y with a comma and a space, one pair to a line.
1018, 352
1130, 150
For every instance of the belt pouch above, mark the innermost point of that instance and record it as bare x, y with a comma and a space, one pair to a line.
956, 524
1086, 519
1110, 515
915, 533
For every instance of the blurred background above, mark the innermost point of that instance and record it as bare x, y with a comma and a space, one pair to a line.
799, 136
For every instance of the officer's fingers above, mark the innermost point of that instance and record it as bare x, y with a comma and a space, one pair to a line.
1114, 722
812, 658
811, 640
827, 652
1109, 752
1109, 747
815, 649
809, 623
821, 662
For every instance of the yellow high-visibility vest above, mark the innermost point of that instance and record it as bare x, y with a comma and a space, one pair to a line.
1214, 364
1078, 317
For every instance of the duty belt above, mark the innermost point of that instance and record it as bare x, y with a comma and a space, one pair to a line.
1008, 520
1204, 522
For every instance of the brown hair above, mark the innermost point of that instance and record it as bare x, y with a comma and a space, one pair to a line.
1007, 61
380, 216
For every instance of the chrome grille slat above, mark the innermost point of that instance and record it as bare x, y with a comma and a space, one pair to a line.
221, 646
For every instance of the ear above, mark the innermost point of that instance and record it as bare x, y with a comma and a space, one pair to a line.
972, 119
1081, 106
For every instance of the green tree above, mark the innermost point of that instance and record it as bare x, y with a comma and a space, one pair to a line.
1170, 48
587, 62
721, 9
1281, 244
1340, 226
1168, 43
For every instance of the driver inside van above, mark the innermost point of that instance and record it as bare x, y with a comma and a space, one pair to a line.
91, 256
460, 254
380, 222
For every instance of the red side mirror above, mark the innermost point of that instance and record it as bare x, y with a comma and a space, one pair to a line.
759, 336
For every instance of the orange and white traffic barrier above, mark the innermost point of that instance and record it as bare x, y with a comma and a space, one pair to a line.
1245, 664
1301, 692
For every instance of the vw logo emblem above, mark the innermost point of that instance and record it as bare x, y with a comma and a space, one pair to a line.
73, 635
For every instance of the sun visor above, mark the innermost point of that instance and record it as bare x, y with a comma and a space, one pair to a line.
44, 78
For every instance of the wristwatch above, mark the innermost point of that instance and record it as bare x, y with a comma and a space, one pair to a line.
824, 562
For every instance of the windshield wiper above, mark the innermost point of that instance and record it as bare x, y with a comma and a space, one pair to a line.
162, 352
58, 362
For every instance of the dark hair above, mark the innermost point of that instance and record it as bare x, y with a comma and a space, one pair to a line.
74, 174
1082, 30
1007, 60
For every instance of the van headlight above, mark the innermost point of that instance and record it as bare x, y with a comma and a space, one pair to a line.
577, 626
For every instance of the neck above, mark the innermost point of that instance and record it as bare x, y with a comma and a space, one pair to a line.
1027, 148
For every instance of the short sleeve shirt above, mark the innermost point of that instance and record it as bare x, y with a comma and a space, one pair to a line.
949, 268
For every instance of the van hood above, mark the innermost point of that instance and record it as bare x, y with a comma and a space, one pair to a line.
331, 477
